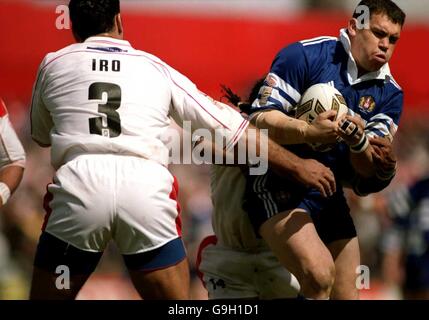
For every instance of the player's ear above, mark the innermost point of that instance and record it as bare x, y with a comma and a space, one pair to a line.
352, 27
118, 22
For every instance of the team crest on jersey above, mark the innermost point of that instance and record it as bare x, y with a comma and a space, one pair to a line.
367, 104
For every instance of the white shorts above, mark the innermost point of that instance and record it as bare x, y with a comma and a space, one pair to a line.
232, 274
96, 198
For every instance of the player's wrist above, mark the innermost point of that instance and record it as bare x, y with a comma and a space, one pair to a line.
360, 146
304, 131
4, 192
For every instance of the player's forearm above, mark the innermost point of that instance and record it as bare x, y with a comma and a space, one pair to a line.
363, 163
270, 154
281, 128
260, 152
11, 176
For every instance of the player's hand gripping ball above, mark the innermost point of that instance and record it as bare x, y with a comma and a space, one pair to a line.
316, 100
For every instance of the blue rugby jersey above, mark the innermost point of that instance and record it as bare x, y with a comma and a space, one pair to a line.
375, 96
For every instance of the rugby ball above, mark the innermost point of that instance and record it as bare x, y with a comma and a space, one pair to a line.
316, 100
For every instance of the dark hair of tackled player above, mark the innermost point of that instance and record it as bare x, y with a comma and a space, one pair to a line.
92, 17
383, 7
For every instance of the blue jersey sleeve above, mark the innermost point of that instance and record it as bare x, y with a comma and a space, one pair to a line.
385, 122
286, 81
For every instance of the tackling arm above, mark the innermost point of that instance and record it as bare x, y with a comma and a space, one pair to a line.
308, 172
287, 130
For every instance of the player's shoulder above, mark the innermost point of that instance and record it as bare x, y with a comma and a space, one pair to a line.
319, 48
149, 57
313, 49
393, 85
159, 64
52, 56
319, 41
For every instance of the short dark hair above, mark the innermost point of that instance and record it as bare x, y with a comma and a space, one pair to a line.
387, 7
92, 17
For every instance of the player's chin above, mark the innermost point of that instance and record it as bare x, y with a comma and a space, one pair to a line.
376, 64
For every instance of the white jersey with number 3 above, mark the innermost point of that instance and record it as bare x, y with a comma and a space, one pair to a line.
103, 96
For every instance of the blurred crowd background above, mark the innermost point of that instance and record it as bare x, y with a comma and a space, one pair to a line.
213, 42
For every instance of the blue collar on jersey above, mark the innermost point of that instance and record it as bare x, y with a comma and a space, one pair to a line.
352, 70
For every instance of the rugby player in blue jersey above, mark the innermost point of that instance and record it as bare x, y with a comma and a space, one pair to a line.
314, 237
234, 263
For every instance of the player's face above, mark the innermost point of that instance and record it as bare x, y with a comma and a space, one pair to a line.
373, 47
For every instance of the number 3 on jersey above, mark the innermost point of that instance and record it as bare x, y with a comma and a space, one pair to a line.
113, 127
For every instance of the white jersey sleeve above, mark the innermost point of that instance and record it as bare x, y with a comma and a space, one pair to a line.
11, 150
190, 104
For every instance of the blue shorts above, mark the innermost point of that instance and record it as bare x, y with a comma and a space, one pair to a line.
269, 194
53, 252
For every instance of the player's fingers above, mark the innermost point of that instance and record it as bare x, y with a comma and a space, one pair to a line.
321, 188
356, 119
378, 150
329, 182
347, 127
326, 187
376, 158
330, 114
333, 184
330, 178
378, 141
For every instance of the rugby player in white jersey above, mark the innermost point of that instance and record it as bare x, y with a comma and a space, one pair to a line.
103, 107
